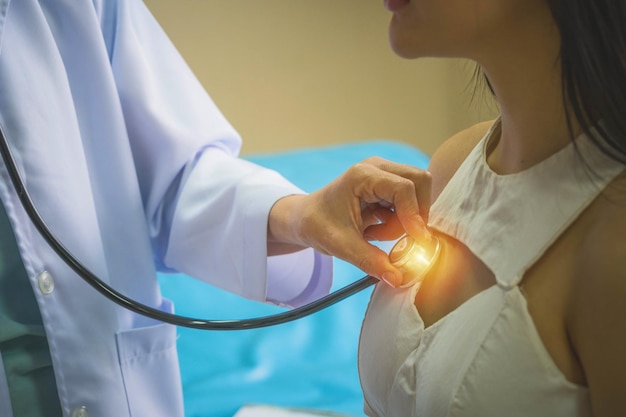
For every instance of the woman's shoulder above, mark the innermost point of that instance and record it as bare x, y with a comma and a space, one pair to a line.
451, 153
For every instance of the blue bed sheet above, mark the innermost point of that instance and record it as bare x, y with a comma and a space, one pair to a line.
309, 363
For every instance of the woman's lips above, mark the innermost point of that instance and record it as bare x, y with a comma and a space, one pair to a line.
395, 5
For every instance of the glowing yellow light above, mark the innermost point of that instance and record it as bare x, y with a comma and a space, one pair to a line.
414, 259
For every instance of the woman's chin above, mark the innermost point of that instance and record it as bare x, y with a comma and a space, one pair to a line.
403, 47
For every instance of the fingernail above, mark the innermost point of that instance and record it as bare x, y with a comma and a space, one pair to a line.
426, 234
390, 279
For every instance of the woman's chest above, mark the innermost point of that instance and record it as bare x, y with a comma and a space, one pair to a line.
457, 276
544, 287
485, 356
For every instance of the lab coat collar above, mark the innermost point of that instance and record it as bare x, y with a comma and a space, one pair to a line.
4, 7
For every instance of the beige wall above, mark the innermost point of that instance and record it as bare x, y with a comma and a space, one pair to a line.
299, 73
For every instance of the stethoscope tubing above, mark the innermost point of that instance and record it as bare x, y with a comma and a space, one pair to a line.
128, 303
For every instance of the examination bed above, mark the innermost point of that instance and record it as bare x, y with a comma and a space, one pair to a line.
310, 363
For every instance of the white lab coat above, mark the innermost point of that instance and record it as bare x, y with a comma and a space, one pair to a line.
133, 167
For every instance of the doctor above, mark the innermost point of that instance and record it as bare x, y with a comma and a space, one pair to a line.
134, 168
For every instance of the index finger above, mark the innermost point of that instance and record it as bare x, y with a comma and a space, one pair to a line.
409, 189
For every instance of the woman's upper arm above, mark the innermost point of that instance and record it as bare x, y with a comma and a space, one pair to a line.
597, 324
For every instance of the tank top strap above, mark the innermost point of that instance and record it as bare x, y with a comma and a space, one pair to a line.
509, 221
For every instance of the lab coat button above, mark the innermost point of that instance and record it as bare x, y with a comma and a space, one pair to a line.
46, 283
80, 412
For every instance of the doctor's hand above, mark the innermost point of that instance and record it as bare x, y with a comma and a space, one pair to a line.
373, 200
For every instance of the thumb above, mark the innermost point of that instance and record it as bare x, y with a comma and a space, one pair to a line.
375, 262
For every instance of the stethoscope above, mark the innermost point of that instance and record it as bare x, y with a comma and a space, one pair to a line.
412, 258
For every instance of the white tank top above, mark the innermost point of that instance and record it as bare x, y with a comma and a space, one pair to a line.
486, 357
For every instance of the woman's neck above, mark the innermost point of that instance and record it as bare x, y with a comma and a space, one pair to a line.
526, 79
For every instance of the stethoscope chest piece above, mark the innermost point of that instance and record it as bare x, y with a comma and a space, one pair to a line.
414, 258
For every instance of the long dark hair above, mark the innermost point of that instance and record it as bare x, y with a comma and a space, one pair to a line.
593, 68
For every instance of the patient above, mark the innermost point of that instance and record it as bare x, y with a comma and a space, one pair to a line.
524, 314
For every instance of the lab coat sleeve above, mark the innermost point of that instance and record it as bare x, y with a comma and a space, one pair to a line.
206, 208
242, 194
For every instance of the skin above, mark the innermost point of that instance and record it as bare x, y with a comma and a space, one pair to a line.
576, 292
